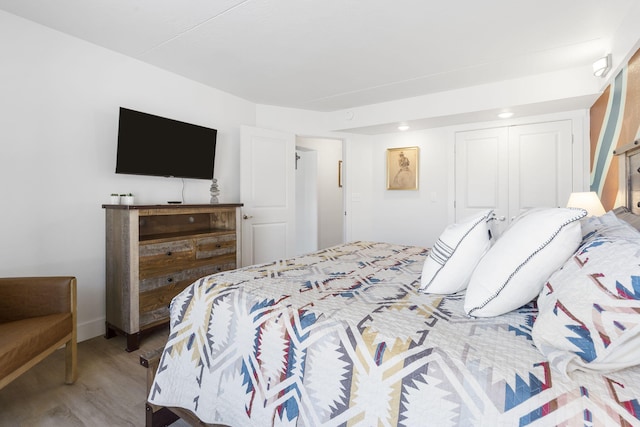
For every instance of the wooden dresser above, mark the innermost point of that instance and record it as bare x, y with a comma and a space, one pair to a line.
155, 251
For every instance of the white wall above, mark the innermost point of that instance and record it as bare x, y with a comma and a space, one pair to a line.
411, 217
330, 211
417, 217
59, 100
306, 200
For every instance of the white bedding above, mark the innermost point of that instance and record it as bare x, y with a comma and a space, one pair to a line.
344, 337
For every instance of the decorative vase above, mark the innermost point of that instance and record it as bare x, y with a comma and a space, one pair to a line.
215, 191
126, 200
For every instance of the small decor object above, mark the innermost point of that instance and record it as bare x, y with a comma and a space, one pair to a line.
402, 168
115, 199
126, 199
215, 191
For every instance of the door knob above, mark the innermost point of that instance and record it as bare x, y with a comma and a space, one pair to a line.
247, 216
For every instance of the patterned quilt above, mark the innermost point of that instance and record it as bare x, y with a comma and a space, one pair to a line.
342, 337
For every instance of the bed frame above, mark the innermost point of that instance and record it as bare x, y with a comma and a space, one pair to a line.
158, 416
629, 176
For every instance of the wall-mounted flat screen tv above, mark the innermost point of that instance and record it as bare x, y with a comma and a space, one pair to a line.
158, 146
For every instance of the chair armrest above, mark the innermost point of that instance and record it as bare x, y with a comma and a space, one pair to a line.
25, 297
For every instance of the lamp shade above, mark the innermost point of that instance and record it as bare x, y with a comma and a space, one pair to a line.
588, 201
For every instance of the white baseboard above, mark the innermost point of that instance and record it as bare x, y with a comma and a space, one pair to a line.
91, 329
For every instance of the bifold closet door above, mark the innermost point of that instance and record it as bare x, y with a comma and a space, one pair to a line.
513, 168
540, 166
482, 174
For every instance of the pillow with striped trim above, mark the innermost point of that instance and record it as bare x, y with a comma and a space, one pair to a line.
452, 259
515, 269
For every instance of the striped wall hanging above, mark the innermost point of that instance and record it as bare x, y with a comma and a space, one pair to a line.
614, 122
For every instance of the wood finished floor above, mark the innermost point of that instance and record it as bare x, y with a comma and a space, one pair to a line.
110, 390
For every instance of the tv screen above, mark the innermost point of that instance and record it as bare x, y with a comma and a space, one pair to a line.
157, 146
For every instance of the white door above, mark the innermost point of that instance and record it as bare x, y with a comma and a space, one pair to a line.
482, 174
540, 166
267, 190
511, 169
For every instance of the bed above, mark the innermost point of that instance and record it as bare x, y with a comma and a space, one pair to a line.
346, 336
540, 326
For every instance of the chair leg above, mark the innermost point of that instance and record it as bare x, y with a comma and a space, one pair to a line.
71, 348
71, 361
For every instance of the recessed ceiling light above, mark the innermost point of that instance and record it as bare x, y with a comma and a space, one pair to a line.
505, 114
403, 126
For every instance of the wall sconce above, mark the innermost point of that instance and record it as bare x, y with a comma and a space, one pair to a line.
588, 201
602, 66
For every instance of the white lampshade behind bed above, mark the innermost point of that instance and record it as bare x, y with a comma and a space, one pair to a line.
588, 201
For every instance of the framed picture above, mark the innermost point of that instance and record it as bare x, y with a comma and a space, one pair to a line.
402, 168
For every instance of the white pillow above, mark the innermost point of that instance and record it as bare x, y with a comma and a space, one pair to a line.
452, 259
515, 269
629, 217
609, 225
589, 311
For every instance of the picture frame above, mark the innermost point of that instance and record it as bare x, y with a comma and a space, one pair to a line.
402, 168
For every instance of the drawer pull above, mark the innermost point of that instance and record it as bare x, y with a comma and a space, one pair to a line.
219, 268
169, 253
170, 279
218, 246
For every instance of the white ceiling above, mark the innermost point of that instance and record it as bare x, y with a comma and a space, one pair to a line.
329, 55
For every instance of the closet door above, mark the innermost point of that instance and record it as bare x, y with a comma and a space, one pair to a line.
482, 174
511, 169
540, 166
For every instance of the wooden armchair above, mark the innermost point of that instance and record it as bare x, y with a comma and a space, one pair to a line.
37, 316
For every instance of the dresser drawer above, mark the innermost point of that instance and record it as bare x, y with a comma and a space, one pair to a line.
156, 293
158, 258
213, 246
152, 318
167, 280
183, 276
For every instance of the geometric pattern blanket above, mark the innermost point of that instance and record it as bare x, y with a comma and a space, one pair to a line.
342, 337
